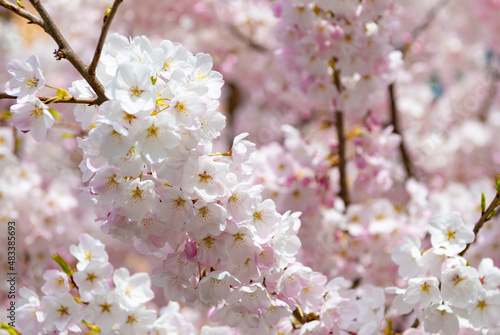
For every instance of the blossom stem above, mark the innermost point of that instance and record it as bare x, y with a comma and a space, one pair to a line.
397, 130
482, 220
339, 124
73, 100
102, 38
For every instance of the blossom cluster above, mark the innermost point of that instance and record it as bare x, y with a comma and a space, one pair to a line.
95, 297
335, 51
443, 289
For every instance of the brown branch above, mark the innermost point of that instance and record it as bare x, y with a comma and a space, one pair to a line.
397, 130
431, 15
339, 124
23, 12
102, 38
73, 100
485, 217
246, 39
65, 51
492, 92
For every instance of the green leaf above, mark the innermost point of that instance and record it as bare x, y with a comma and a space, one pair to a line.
497, 184
492, 215
153, 80
55, 114
9, 329
63, 264
483, 202
19, 3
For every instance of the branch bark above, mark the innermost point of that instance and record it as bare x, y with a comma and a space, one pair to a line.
102, 38
482, 220
339, 124
65, 50
397, 130
22, 12
73, 100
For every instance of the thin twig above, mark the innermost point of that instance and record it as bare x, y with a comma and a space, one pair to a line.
23, 12
65, 50
397, 130
482, 220
73, 100
102, 38
339, 124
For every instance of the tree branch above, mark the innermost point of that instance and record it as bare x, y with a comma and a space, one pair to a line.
339, 124
247, 40
431, 15
65, 51
102, 38
73, 100
23, 12
397, 130
485, 217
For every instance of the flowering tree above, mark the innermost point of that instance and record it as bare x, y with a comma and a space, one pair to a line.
361, 211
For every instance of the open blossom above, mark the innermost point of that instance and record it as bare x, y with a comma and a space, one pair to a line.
133, 88
56, 282
132, 290
30, 114
450, 232
89, 249
61, 312
460, 285
408, 257
28, 78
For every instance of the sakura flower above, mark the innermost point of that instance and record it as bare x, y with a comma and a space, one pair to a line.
408, 257
89, 249
187, 109
210, 181
264, 219
28, 78
61, 312
176, 208
202, 72
139, 198
460, 285
83, 113
422, 292
30, 114
132, 290
111, 138
212, 249
450, 232
137, 321
210, 219
104, 311
489, 274
91, 281
241, 152
156, 136
133, 88
29, 313
441, 317
216, 286
485, 309
56, 282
